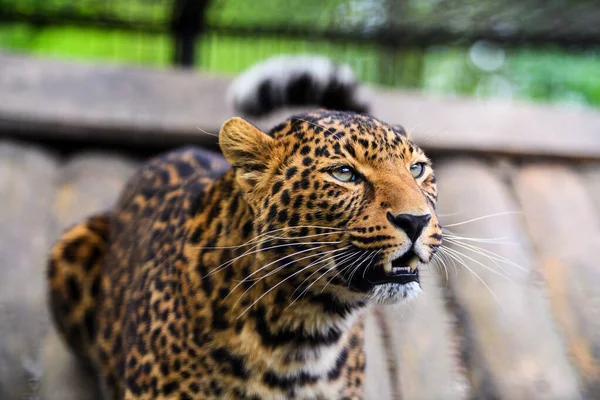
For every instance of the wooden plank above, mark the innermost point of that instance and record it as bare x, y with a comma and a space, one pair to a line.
62, 377
109, 103
422, 340
451, 124
564, 226
511, 345
27, 177
89, 183
378, 384
591, 175
141, 106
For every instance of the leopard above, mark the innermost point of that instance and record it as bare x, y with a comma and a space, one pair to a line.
247, 274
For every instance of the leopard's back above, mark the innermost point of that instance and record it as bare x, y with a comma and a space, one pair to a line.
88, 275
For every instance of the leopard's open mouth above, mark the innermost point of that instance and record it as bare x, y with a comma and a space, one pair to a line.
406, 264
401, 270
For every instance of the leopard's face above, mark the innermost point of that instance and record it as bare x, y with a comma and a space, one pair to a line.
355, 196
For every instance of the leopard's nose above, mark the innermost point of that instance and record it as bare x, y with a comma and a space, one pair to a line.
411, 224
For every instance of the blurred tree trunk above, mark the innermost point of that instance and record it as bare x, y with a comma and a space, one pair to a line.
188, 22
398, 66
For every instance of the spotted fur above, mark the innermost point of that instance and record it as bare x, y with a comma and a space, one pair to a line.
211, 282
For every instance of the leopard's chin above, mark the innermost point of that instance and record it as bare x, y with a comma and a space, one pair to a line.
394, 293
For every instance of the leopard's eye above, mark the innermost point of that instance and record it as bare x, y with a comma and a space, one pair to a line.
417, 170
344, 174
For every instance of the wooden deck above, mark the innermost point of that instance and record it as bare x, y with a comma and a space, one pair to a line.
525, 329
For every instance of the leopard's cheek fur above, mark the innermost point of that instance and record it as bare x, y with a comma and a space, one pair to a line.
303, 200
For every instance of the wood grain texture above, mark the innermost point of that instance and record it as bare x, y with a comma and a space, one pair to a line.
423, 343
591, 176
27, 187
88, 183
511, 346
565, 228
378, 381
135, 105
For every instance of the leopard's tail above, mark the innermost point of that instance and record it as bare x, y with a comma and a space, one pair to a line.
74, 282
296, 80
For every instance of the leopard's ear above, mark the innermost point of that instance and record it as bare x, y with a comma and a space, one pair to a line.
400, 130
248, 150
245, 146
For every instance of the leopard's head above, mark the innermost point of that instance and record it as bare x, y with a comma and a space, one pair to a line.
346, 201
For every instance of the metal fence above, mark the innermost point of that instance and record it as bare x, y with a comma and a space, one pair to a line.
389, 42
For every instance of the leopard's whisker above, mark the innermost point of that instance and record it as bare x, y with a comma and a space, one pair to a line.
270, 290
441, 257
430, 136
344, 258
354, 261
473, 273
477, 251
327, 270
356, 269
259, 237
256, 281
261, 242
487, 253
340, 271
371, 262
439, 261
450, 261
330, 253
350, 267
407, 305
483, 217
448, 214
304, 237
456, 252
247, 253
207, 132
498, 240
348, 253
272, 238
247, 278
320, 255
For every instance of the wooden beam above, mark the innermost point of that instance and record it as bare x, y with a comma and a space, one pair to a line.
88, 183
378, 380
511, 346
27, 176
591, 175
424, 344
563, 225
42, 98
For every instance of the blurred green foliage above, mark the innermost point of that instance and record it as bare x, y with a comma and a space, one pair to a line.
483, 70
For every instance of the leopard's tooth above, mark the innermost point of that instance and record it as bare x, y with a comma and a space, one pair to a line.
413, 263
387, 266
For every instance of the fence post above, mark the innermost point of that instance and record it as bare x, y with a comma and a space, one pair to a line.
187, 23
389, 43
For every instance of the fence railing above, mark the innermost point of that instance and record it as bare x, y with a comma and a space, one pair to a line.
187, 22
